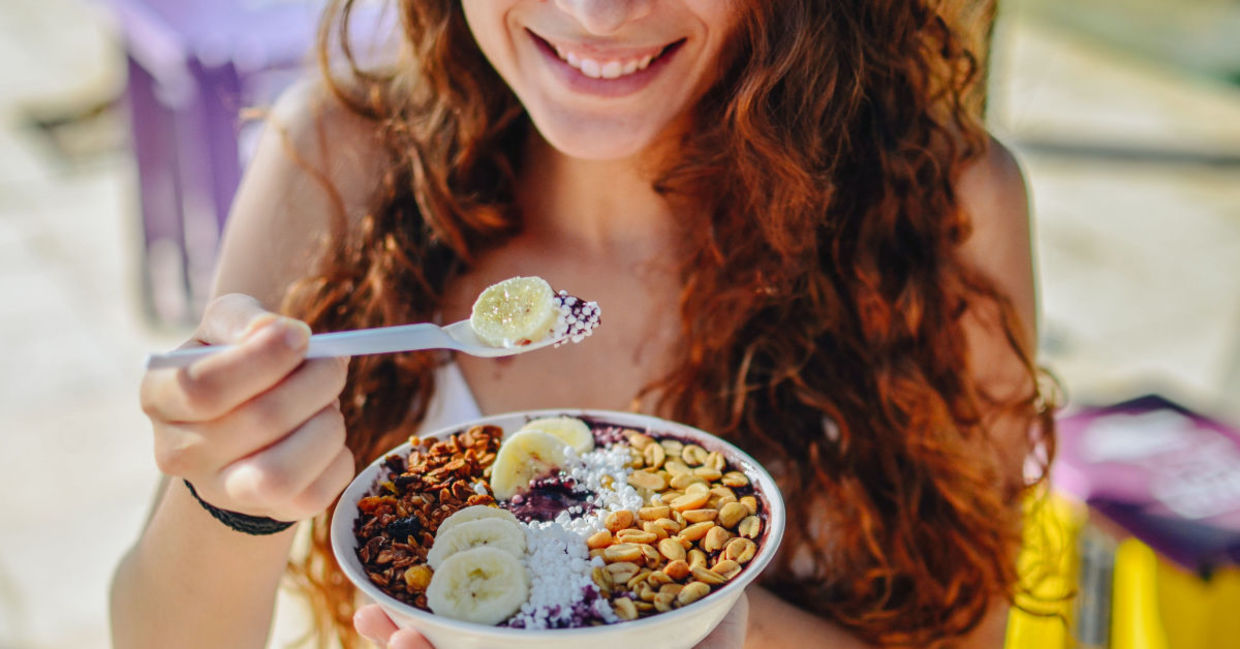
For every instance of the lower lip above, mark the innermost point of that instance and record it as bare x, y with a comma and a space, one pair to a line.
618, 87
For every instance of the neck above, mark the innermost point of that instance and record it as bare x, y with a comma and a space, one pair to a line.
596, 206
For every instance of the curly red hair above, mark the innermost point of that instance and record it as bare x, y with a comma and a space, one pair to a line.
822, 299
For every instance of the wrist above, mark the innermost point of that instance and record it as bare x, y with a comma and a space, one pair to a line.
244, 523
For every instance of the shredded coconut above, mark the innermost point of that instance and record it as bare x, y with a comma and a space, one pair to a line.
562, 593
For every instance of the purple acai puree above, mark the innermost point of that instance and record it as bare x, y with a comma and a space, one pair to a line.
582, 614
547, 497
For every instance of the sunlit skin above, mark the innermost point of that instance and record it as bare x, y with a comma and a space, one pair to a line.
601, 118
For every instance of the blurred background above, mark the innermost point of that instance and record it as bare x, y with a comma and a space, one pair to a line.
1125, 115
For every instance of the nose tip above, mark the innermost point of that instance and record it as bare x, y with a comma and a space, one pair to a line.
604, 17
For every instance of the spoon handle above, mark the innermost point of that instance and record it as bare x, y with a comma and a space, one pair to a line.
360, 342
382, 340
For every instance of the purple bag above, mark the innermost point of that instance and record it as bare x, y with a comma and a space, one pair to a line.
1168, 476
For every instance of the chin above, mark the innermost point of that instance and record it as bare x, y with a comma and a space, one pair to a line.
577, 147
595, 139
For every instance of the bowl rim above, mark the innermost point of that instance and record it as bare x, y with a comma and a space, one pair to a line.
343, 542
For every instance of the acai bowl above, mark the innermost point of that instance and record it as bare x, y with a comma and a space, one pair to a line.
559, 528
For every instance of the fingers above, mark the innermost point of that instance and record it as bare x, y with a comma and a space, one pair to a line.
187, 448
323, 491
376, 626
219, 383
285, 469
267, 418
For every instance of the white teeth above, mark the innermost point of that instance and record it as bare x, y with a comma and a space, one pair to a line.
591, 68
595, 69
612, 69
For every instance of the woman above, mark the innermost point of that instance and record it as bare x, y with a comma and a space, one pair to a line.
802, 239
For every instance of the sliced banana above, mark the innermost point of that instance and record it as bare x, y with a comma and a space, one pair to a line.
525, 456
490, 532
516, 311
483, 585
572, 431
475, 513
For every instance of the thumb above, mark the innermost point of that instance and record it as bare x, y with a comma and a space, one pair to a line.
376, 626
232, 318
373, 624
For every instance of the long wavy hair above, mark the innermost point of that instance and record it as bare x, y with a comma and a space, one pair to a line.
822, 299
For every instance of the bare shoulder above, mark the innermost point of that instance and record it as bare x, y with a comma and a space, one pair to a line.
992, 191
315, 168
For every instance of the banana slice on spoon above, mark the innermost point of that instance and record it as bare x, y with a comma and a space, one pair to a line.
516, 311
522, 311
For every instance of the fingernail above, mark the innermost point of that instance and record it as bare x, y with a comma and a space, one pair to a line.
296, 333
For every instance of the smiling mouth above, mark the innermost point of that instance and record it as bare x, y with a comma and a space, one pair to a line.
606, 67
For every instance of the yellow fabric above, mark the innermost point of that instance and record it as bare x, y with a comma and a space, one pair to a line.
1199, 614
1135, 622
1048, 565
1154, 604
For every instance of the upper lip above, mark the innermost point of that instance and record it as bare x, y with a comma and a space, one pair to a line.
602, 51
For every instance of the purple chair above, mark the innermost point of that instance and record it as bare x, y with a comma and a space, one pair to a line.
193, 66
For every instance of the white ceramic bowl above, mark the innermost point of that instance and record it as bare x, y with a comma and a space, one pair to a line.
677, 629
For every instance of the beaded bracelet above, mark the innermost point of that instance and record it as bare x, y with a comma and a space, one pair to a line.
252, 525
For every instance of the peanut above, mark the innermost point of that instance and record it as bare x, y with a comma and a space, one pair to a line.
689, 501
625, 609
645, 479
740, 550
692, 592
654, 455
654, 513
636, 536
621, 572
678, 569
750, 527
728, 568
708, 576
731, 514
671, 549
700, 515
696, 531
598, 540
715, 539
622, 552
618, 520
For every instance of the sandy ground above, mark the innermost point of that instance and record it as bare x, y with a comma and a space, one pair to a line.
1139, 263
